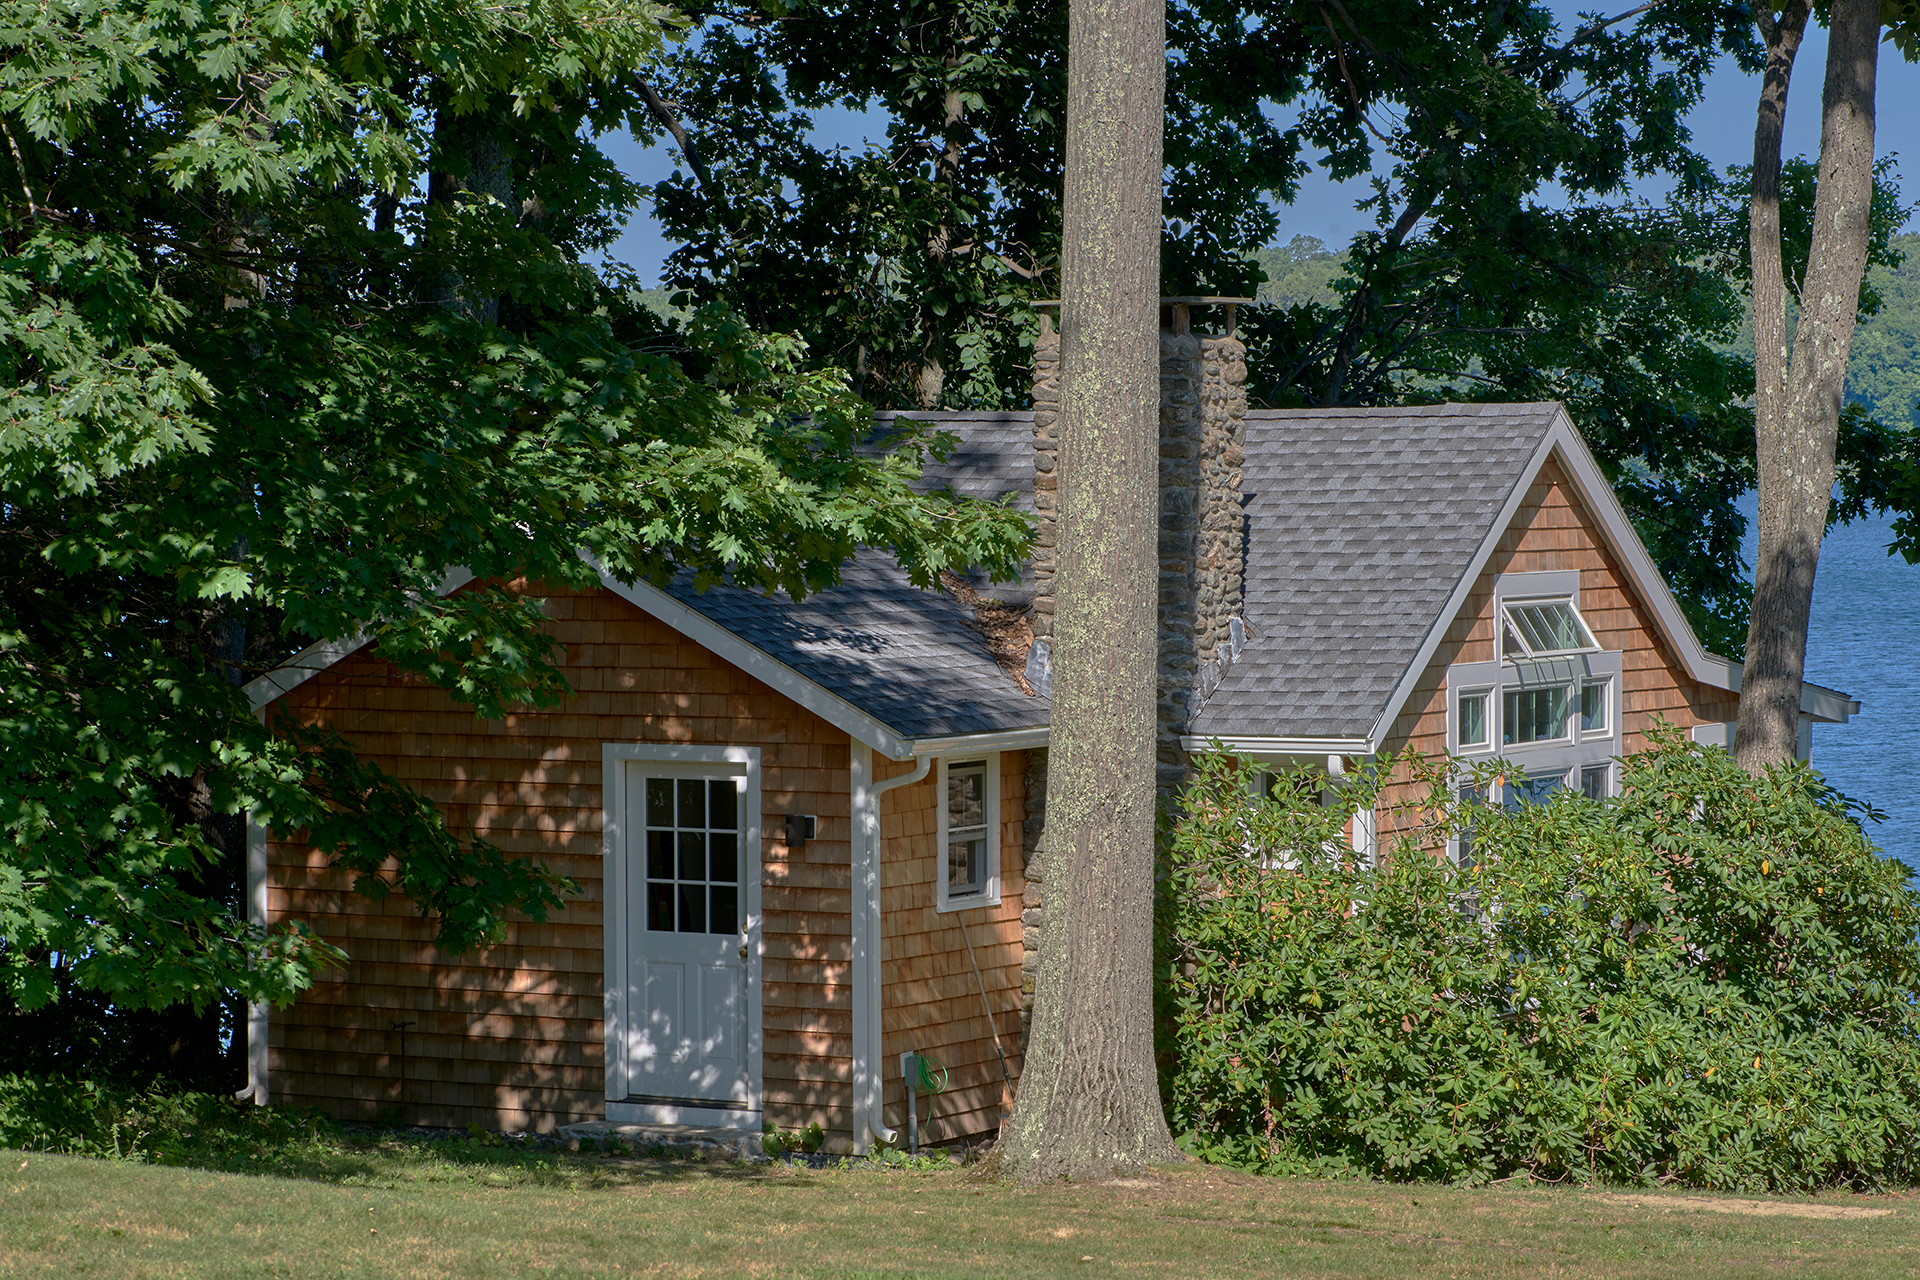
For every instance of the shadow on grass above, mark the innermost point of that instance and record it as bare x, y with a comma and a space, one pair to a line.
207, 1131
351, 1156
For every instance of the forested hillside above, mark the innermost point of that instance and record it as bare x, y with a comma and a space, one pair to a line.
1884, 375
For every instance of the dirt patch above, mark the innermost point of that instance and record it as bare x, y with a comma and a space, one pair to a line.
1752, 1208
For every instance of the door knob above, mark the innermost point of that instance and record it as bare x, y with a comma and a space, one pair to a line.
743, 953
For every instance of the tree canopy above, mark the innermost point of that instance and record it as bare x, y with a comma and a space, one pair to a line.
1507, 260
293, 320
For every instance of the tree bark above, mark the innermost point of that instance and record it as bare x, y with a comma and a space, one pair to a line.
1796, 449
1089, 1104
1770, 352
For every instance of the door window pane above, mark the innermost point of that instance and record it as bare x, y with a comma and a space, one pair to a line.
693, 855
693, 908
659, 907
659, 802
722, 851
723, 804
693, 802
725, 917
1534, 715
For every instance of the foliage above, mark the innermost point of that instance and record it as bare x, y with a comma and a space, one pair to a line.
293, 321
1710, 980
1506, 262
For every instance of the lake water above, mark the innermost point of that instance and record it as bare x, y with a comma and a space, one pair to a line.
1864, 639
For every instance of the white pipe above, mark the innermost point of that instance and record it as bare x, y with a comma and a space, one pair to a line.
258, 1087
867, 938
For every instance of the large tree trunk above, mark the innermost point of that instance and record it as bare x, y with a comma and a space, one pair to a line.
1089, 1103
1770, 353
1796, 446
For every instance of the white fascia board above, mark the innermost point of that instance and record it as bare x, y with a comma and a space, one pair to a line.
300, 668
315, 658
1285, 746
716, 639
1829, 706
1826, 706
971, 743
1647, 581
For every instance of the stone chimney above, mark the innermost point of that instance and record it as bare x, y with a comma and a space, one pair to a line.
1203, 434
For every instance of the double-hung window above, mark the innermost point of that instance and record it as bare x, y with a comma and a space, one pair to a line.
968, 874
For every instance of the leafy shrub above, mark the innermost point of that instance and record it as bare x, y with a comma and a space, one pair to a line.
1710, 980
150, 1123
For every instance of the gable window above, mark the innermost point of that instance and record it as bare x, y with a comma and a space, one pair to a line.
1534, 715
1543, 629
968, 874
1537, 788
1546, 696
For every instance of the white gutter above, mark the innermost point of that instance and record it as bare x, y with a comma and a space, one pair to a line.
868, 1128
968, 743
1285, 746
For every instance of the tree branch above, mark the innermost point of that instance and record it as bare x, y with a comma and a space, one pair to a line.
671, 123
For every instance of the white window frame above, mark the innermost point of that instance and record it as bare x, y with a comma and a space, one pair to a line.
1509, 627
989, 894
1487, 719
1575, 670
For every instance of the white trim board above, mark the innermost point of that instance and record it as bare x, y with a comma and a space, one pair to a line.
315, 658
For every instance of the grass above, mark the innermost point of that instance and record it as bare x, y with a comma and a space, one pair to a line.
338, 1203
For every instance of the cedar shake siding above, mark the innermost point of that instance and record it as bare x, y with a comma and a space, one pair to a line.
932, 999
512, 1037
1552, 530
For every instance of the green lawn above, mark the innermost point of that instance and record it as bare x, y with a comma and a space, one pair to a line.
384, 1208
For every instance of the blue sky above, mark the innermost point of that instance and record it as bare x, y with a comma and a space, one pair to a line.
1722, 126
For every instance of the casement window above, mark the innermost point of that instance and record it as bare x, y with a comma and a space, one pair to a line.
1473, 720
969, 834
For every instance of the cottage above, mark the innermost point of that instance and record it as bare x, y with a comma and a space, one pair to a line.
807, 836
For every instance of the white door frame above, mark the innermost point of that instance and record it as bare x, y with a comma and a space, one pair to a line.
617, 937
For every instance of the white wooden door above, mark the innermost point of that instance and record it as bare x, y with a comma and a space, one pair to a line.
686, 918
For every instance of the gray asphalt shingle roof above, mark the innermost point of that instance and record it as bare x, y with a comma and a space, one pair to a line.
909, 658
1360, 524
994, 457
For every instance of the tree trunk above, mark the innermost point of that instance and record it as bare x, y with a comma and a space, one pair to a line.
1795, 449
1770, 353
1089, 1103
471, 141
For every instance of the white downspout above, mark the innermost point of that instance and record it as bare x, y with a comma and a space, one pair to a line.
867, 937
258, 1086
